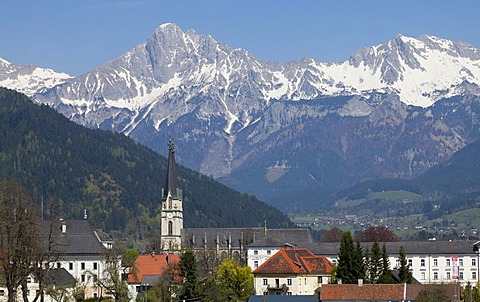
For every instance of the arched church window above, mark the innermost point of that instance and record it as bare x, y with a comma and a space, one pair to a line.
170, 228
169, 202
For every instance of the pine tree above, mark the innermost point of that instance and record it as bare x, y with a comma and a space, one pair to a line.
375, 263
404, 273
358, 262
346, 260
386, 276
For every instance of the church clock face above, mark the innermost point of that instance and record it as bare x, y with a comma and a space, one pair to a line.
169, 215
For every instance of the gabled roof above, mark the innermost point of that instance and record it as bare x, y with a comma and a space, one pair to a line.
151, 265
457, 247
295, 261
253, 237
60, 277
76, 238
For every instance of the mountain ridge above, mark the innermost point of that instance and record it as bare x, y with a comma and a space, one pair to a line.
233, 109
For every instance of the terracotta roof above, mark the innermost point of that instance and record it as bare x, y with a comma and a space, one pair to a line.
151, 265
377, 292
295, 261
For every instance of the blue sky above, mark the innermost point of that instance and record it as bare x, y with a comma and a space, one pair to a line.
77, 36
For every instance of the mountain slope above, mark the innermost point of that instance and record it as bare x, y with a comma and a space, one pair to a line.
279, 131
29, 79
117, 181
453, 185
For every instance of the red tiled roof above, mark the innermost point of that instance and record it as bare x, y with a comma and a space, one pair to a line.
379, 292
295, 261
374, 292
151, 265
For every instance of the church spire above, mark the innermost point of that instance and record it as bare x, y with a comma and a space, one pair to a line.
171, 182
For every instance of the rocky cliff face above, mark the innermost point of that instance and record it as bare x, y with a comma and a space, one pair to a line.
289, 133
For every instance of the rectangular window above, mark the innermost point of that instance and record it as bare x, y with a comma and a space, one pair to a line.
289, 282
29, 279
422, 276
422, 262
410, 262
278, 293
2, 292
460, 275
397, 261
474, 275
474, 262
460, 262
447, 262
59, 265
448, 276
255, 252
305, 281
95, 266
70, 266
435, 262
82, 265
255, 263
435, 275
319, 280
265, 281
289, 293
265, 293
269, 252
83, 278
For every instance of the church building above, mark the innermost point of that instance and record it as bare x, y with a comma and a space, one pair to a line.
212, 245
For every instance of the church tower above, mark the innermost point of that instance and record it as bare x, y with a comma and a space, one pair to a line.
172, 210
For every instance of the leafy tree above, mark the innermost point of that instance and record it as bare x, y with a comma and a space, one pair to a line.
188, 268
235, 279
112, 280
19, 237
386, 275
333, 235
379, 233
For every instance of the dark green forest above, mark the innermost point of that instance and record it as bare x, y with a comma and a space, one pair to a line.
117, 181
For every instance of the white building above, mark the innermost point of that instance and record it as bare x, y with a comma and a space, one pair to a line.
430, 261
78, 254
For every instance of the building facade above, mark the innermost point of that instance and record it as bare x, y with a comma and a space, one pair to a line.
292, 271
172, 209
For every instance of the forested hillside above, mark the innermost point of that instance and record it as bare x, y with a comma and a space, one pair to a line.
117, 181
452, 186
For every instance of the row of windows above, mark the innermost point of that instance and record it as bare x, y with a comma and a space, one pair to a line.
290, 281
82, 266
448, 262
255, 252
448, 276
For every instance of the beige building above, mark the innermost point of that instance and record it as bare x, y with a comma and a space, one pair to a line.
292, 271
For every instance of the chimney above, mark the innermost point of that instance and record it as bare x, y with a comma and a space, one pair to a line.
63, 225
360, 282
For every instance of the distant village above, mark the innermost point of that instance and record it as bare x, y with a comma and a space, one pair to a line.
80, 263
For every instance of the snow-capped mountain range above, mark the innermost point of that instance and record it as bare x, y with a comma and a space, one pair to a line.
29, 79
272, 129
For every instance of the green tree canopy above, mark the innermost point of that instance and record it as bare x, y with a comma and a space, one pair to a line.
236, 279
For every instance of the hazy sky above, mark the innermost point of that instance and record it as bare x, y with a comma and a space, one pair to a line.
77, 36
